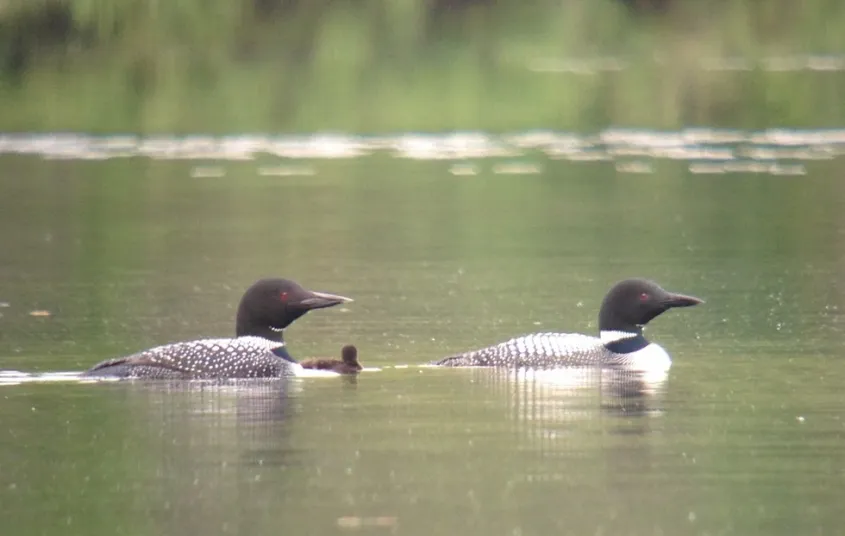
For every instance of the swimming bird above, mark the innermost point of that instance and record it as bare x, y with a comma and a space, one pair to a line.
626, 309
347, 365
257, 351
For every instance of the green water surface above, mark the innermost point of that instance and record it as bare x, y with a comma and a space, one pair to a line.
744, 437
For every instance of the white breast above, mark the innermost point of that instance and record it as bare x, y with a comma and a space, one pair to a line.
652, 358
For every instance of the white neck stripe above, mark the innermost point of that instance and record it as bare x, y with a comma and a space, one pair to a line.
608, 336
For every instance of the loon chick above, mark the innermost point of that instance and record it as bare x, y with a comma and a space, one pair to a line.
257, 351
628, 306
349, 364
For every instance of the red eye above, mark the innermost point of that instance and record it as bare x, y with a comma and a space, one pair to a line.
283, 296
643, 297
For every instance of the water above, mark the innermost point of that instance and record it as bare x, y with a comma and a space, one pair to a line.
105, 257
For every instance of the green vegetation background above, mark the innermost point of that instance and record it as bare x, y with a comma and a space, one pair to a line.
220, 66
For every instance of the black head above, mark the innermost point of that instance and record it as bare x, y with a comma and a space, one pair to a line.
632, 303
270, 305
349, 354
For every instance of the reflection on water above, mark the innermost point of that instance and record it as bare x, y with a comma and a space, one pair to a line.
210, 449
472, 449
16, 377
549, 405
183, 403
775, 151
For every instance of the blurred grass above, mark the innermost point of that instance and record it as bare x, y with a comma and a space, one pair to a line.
375, 66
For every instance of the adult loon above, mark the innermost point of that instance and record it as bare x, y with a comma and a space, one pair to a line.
628, 306
257, 351
347, 365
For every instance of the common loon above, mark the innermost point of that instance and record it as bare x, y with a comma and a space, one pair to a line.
628, 306
257, 351
348, 365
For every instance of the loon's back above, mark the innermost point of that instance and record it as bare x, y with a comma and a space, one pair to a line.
538, 350
241, 357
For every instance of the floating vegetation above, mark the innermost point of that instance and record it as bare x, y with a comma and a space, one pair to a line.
775, 151
463, 169
286, 171
636, 166
794, 63
358, 522
207, 172
517, 168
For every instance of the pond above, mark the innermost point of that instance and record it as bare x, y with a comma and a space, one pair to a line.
446, 243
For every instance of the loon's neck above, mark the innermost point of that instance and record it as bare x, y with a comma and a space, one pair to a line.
614, 324
245, 328
623, 342
282, 352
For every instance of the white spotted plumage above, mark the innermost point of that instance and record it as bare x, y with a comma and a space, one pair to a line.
241, 357
554, 350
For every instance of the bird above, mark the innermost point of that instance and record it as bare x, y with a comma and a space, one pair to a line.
258, 349
627, 307
348, 364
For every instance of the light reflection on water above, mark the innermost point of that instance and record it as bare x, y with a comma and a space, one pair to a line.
547, 406
16, 377
393, 447
708, 151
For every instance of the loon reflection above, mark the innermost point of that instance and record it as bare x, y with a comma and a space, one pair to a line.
572, 395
